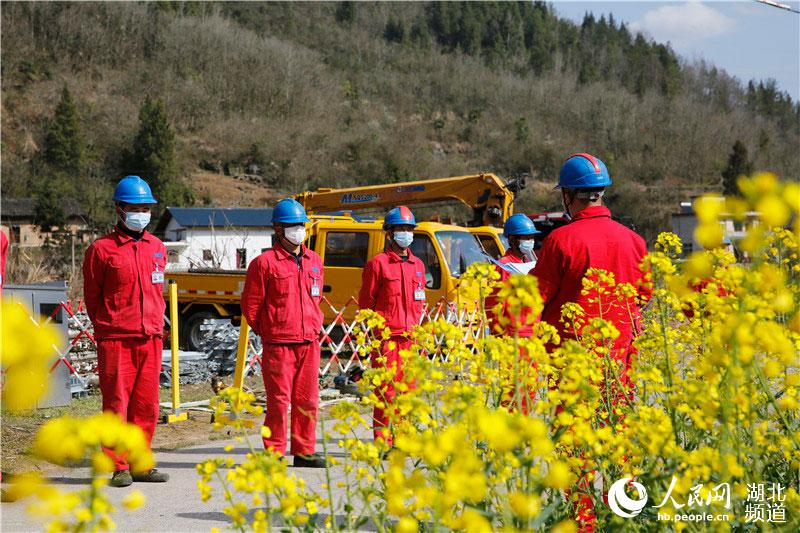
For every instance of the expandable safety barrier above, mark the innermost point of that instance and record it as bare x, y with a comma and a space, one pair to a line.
74, 323
339, 342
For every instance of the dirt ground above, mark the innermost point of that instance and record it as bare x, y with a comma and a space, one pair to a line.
18, 431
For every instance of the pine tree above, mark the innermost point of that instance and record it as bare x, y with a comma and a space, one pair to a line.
50, 199
671, 81
153, 155
395, 31
62, 163
751, 99
738, 165
64, 147
345, 13
420, 35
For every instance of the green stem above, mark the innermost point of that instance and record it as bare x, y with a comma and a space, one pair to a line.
331, 508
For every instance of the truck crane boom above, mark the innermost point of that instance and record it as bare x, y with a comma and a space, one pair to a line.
489, 196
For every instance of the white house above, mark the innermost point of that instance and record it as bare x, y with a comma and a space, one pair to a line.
684, 222
219, 238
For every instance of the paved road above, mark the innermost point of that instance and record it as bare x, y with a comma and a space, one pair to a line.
171, 507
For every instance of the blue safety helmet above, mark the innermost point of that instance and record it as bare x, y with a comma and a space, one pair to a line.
289, 211
583, 171
519, 224
133, 190
399, 216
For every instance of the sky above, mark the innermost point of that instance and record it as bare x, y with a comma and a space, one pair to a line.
747, 39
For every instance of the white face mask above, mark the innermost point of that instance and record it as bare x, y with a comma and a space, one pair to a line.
136, 221
526, 247
295, 234
403, 239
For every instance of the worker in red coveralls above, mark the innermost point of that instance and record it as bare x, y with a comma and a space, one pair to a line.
280, 301
590, 240
123, 287
520, 230
393, 285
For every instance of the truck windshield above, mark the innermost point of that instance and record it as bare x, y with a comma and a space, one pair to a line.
460, 249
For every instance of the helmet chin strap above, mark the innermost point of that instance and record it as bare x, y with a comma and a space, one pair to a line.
566, 205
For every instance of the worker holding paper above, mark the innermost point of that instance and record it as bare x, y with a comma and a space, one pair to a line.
520, 230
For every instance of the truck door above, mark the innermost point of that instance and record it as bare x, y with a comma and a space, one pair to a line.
492, 240
435, 286
344, 253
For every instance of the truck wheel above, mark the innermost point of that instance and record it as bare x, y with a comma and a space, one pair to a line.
193, 336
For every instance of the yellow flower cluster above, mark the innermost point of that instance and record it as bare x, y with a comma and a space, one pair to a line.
231, 406
476, 283
67, 440
497, 432
260, 482
28, 351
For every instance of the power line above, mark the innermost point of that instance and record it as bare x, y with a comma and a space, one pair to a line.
778, 5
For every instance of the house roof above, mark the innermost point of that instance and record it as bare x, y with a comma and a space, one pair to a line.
26, 208
206, 217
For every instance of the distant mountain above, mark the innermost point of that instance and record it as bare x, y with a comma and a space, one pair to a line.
292, 96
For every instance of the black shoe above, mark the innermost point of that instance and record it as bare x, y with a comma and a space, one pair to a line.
314, 460
121, 478
151, 476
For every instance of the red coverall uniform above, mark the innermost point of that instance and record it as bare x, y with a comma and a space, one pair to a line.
280, 301
592, 240
389, 286
518, 323
123, 289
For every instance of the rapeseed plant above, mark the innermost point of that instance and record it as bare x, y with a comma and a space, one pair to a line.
497, 432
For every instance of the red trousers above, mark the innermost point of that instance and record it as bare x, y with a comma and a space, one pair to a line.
129, 372
291, 376
386, 392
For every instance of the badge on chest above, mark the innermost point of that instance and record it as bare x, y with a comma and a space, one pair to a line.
419, 295
315, 290
157, 275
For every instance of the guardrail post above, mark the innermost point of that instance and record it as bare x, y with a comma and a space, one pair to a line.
176, 415
241, 361
241, 353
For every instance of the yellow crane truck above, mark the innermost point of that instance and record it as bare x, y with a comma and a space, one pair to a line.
490, 198
345, 242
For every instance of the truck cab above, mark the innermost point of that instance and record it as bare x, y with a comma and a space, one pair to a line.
345, 244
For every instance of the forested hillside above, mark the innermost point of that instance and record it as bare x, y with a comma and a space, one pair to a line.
300, 95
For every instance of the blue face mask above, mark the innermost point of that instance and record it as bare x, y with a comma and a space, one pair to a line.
136, 221
403, 239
